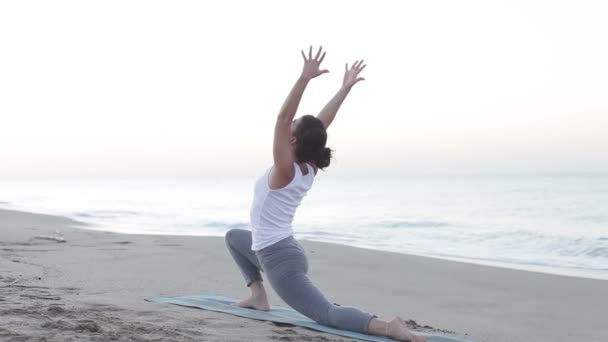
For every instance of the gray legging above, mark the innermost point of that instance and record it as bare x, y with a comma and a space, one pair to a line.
285, 265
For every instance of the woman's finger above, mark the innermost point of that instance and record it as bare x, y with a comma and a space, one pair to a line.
361, 68
322, 57
310, 52
346, 67
360, 63
318, 53
303, 55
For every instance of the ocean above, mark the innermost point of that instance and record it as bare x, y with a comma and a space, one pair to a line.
551, 224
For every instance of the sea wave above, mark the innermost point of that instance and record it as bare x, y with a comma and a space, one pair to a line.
410, 224
227, 225
550, 243
106, 214
518, 248
590, 218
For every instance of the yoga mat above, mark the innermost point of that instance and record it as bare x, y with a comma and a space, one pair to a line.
278, 314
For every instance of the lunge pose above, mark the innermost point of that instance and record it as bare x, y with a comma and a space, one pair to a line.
299, 151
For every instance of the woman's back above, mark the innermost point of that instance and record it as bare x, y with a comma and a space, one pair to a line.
273, 210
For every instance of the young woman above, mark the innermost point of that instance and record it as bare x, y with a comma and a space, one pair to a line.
299, 151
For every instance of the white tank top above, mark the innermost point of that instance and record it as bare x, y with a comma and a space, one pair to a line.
272, 211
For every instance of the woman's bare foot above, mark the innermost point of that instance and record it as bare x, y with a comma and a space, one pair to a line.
256, 303
397, 330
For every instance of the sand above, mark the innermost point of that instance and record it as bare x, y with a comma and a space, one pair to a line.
92, 288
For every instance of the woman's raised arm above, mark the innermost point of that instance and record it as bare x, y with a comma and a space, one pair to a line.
282, 151
328, 113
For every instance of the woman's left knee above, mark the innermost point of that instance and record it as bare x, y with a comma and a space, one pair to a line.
233, 234
229, 236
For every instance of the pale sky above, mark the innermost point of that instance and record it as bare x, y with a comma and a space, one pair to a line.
192, 88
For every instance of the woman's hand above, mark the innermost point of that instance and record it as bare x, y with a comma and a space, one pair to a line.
350, 75
311, 65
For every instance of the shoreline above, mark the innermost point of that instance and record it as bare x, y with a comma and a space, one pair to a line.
96, 269
535, 268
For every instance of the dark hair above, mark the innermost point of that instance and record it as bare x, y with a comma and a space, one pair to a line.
311, 138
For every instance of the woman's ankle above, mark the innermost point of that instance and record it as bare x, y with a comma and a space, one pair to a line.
257, 289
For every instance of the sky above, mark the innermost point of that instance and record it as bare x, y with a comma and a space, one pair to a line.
192, 88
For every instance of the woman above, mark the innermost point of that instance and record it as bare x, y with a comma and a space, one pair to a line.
299, 151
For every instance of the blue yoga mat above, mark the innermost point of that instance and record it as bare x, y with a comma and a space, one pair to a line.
278, 314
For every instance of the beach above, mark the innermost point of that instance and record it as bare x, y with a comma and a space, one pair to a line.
92, 288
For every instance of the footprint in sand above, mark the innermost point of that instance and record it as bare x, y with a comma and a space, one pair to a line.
287, 331
279, 324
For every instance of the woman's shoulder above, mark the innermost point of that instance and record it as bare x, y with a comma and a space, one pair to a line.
310, 167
